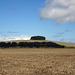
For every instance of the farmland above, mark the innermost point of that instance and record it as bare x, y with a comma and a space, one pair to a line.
37, 61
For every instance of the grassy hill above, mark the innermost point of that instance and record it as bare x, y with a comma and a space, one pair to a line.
58, 42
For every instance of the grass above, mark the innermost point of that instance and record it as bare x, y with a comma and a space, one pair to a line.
37, 61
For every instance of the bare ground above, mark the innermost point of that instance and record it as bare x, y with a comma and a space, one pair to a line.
37, 61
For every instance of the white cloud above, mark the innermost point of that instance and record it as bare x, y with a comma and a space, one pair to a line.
60, 10
8, 38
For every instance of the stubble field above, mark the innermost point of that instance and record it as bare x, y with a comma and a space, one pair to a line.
37, 61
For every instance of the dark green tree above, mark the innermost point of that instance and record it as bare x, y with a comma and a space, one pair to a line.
38, 38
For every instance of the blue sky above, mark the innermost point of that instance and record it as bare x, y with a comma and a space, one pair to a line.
21, 19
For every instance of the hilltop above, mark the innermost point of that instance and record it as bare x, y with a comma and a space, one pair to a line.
58, 42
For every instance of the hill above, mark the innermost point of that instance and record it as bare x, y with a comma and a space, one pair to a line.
58, 42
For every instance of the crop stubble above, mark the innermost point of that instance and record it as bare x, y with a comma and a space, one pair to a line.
37, 61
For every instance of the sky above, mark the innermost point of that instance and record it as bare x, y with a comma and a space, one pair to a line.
21, 19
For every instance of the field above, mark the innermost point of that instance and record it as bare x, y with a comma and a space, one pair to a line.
37, 61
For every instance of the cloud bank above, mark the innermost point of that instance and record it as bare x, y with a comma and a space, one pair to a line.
59, 10
68, 40
8, 38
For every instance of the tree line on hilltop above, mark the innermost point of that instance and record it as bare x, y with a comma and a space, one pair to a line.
30, 44
38, 38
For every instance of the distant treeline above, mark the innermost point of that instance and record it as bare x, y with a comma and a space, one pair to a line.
30, 44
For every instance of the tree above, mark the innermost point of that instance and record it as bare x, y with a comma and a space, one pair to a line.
14, 44
37, 38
